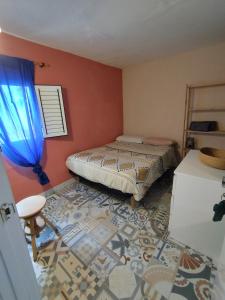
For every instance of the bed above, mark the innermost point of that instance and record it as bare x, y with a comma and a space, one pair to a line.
128, 167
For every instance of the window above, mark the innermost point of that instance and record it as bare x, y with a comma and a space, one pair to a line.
19, 128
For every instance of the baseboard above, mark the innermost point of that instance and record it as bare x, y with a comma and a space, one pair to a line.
58, 187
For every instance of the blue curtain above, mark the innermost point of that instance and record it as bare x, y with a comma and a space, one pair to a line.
21, 136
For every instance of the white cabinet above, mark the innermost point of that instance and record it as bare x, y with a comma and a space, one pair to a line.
196, 189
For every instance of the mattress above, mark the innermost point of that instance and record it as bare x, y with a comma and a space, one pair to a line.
128, 167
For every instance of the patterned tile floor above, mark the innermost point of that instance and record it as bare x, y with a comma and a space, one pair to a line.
108, 251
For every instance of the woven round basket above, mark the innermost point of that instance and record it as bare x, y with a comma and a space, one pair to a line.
213, 157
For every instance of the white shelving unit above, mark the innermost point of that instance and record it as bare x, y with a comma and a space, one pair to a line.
205, 102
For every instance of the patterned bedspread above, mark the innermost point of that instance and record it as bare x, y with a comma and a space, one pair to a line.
128, 167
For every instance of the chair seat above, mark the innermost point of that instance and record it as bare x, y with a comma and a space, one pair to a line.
30, 206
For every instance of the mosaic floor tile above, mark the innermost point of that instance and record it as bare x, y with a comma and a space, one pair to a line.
53, 202
47, 236
104, 215
100, 199
77, 216
111, 203
109, 251
103, 233
147, 242
105, 295
168, 254
54, 209
122, 283
118, 245
73, 235
136, 260
138, 219
125, 211
160, 277
192, 267
218, 284
96, 212
142, 211
103, 264
74, 197
89, 223
74, 189
204, 258
51, 287
184, 289
148, 227
52, 252
140, 291
83, 287
129, 231
142, 216
67, 267
118, 221
86, 248
160, 221
148, 293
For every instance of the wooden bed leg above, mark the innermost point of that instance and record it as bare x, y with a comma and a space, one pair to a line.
133, 202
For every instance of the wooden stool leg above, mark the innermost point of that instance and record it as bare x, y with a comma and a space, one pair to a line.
33, 238
133, 202
50, 224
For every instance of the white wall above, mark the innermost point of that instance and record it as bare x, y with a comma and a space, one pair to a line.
154, 92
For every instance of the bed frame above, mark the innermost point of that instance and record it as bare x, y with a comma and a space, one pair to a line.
134, 204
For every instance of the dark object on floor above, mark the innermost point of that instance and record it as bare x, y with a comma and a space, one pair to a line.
219, 211
190, 143
203, 126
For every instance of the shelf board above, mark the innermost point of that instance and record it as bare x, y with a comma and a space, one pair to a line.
207, 110
206, 85
215, 133
188, 149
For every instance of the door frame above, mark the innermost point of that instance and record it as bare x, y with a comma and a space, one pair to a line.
13, 248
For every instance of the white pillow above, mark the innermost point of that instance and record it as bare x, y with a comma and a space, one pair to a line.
130, 139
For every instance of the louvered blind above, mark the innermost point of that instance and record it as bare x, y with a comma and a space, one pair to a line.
52, 110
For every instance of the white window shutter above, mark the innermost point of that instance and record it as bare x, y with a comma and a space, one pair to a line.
52, 110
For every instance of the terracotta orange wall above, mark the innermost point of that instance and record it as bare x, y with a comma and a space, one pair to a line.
154, 92
93, 104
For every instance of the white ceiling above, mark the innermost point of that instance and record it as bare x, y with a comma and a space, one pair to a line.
117, 32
